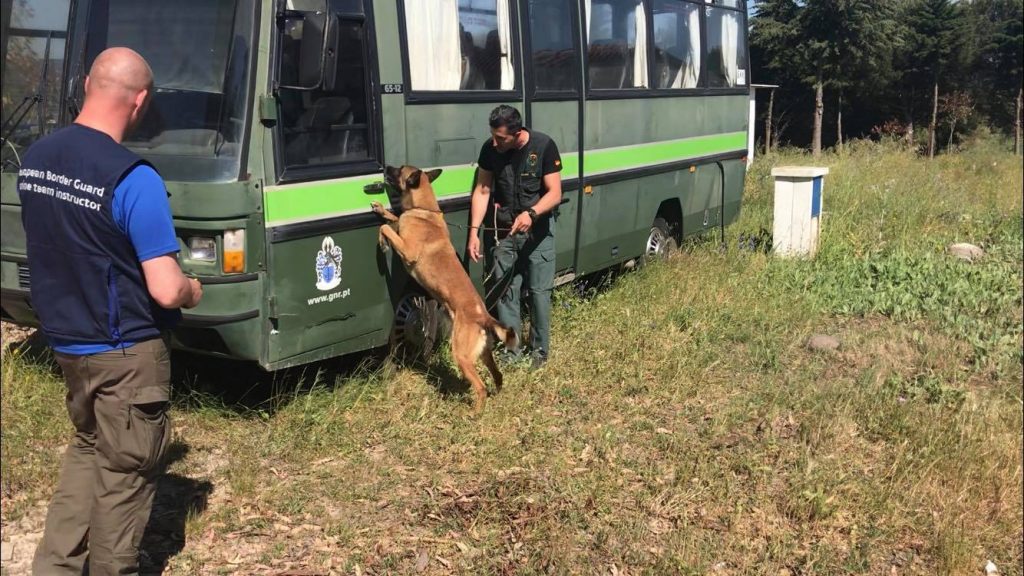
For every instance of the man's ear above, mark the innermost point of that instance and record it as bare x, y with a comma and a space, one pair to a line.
140, 101
433, 174
413, 181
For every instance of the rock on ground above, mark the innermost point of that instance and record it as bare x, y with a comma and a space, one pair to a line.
823, 343
965, 251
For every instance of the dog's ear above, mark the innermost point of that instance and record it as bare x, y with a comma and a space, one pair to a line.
433, 174
413, 181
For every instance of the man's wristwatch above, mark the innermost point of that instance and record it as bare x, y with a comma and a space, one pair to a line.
532, 214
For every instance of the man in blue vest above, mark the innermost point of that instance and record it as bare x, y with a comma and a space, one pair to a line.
106, 287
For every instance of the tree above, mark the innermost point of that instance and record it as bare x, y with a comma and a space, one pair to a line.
824, 44
999, 57
845, 42
936, 33
773, 37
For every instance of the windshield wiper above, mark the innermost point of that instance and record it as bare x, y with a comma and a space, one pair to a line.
31, 101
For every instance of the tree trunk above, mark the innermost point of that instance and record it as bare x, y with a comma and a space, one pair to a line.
819, 109
768, 123
910, 132
952, 130
935, 117
839, 122
1018, 141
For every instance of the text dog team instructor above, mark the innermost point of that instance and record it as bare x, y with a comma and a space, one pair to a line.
519, 183
106, 287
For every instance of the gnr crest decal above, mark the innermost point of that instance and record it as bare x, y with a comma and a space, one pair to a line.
328, 265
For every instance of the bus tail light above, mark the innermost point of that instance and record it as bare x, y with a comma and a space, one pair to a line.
234, 251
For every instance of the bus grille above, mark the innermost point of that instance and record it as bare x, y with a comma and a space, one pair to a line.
23, 277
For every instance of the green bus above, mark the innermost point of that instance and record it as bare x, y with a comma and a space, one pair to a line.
272, 120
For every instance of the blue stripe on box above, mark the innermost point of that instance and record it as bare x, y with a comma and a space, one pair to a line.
816, 198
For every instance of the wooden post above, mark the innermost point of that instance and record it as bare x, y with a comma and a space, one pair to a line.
819, 109
935, 118
1018, 141
768, 122
839, 122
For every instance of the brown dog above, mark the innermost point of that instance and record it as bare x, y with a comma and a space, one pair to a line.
423, 243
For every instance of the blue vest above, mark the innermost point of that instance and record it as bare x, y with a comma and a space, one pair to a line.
86, 280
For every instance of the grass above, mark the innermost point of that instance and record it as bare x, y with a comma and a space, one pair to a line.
682, 426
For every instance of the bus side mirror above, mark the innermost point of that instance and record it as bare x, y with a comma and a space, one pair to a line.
312, 49
309, 48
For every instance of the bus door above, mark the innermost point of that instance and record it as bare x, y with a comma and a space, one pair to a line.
459, 61
324, 265
553, 72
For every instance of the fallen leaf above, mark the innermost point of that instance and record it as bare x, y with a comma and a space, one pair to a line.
422, 559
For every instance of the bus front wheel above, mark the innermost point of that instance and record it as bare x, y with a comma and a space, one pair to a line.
420, 325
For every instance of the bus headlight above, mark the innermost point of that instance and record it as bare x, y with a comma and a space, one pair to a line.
234, 251
202, 248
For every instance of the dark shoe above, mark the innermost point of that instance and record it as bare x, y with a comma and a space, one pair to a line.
537, 361
507, 357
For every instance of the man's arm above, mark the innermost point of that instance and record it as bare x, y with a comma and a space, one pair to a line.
168, 286
477, 210
143, 213
481, 194
553, 197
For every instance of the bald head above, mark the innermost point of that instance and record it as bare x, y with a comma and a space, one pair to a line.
120, 69
116, 91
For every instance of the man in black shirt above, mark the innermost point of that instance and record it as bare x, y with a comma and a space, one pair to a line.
522, 168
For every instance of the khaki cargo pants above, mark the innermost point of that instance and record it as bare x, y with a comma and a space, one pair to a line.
118, 403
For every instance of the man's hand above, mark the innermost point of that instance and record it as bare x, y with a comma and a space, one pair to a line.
523, 223
473, 245
197, 293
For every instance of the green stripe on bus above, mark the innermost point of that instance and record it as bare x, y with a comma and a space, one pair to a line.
615, 159
311, 201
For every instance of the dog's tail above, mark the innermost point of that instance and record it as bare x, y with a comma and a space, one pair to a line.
507, 335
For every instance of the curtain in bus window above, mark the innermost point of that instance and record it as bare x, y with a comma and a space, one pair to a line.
730, 34
692, 72
435, 54
640, 48
589, 10
505, 40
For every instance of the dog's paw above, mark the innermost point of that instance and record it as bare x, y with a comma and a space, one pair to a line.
377, 208
382, 241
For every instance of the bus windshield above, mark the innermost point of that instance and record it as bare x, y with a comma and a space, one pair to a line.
200, 53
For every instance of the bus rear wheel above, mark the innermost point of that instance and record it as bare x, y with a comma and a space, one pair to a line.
660, 242
420, 325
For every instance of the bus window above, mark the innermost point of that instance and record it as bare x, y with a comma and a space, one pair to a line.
676, 44
459, 45
727, 49
552, 46
616, 44
322, 127
33, 64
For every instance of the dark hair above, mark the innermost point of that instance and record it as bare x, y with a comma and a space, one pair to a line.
508, 117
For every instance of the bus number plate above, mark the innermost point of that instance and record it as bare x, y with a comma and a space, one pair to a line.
392, 88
